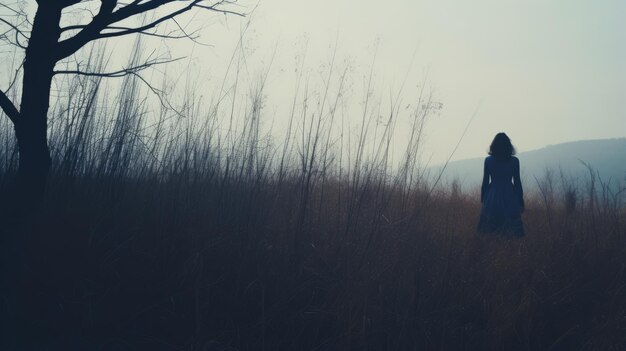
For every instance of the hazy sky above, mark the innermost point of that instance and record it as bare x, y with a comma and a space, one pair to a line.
545, 72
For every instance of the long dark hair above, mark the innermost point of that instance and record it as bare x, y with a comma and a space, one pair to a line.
501, 147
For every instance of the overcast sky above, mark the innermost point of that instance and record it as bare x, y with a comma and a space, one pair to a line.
545, 72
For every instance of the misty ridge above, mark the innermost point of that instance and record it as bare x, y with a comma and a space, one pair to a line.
175, 218
570, 162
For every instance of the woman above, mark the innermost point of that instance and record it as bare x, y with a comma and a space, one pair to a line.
501, 193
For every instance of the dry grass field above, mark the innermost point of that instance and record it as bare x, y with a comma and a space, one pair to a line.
162, 232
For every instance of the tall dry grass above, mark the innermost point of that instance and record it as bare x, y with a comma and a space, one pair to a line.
189, 228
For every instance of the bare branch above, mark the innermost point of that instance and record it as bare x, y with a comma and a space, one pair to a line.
149, 25
120, 73
108, 16
193, 36
18, 33
169, 35
159, 94
9, 109
15, 12
133, 71
214, 8
17, 72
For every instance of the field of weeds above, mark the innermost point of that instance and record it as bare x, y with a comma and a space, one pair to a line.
162, 232
227, 265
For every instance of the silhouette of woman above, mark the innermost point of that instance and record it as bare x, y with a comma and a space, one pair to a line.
501, 193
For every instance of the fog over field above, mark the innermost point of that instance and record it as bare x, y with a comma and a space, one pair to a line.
605, 158
544, 72
304, 175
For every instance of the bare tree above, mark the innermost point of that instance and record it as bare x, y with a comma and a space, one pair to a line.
45, 43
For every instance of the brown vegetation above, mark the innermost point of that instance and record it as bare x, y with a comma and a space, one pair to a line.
175, 236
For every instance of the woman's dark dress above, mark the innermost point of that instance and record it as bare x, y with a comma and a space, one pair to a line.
502, 197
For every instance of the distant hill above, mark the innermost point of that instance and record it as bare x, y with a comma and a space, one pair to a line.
606, 156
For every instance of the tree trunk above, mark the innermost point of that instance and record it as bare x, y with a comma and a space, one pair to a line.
31, 129
32, 126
